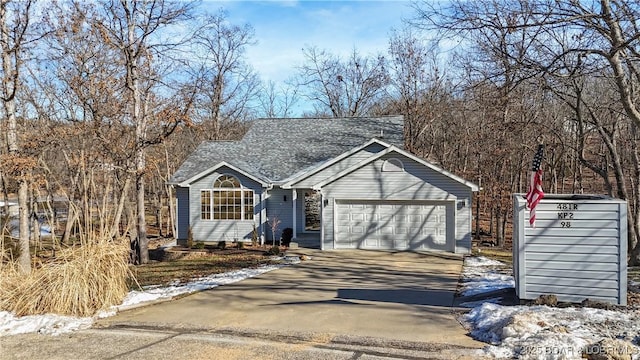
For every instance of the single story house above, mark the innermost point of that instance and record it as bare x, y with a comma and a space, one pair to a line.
339, 183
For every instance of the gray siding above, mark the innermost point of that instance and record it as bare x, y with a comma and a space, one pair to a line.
182, 196
278, 207
417, 182
218, 230
340, 166
577, 249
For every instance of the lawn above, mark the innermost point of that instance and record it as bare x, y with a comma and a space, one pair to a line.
495, 253
633, 273
185, 269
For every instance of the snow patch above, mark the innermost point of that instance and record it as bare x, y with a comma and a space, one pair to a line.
208, 282
537, 332
481, 275
51, 324
48, 324
477, 261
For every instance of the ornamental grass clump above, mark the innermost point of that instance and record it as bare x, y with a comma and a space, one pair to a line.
79, 282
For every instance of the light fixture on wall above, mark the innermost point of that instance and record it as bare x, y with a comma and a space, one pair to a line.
285, 198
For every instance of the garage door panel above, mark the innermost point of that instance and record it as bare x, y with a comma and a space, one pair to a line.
401, 245
343, 216
371, 242
416, 219
401, 226
386, 230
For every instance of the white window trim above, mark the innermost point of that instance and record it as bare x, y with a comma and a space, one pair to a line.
393, 165
243, 201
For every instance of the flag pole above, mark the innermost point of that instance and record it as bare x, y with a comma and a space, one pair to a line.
535, 193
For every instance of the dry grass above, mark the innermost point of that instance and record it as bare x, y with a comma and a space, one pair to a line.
185, 269
78, 282
495, 253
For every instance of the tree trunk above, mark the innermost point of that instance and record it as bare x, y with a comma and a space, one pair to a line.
143, 242
504, 228
10, 68
133, 84
158, 212
72, 217
491, 222
499, 232
634, 211
24, 260
115, 229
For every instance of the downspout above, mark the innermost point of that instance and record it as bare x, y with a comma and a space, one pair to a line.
322, 200
294, 199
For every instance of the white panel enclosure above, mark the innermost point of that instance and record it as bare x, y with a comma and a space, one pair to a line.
577, 250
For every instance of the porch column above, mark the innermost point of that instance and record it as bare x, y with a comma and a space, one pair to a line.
322, 200
294, 199
263, 215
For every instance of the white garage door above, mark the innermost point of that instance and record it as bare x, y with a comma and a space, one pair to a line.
390, 225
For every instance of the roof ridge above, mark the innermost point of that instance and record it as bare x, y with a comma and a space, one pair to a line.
277, 148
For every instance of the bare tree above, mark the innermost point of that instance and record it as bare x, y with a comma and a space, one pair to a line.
418, 85
15, 20
552, 40
133, 27
278, 101
349, 88
226, 84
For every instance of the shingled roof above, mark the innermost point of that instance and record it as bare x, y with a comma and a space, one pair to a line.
275, 149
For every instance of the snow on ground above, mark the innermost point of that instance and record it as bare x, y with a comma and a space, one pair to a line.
52, 324
523, 332
49, 324
482, 275
45, 229
538, 332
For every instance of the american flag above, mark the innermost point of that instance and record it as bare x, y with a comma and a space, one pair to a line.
535, 193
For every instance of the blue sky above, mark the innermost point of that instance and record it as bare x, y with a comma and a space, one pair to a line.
284, 28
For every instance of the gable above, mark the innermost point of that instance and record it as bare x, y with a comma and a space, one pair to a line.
205, 157
375, 164
222, 168
415, 182
336, 165
207, 180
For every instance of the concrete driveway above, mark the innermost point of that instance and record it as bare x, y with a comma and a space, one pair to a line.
348, 295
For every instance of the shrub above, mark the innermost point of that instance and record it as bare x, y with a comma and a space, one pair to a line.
274, 250
240, 245
189, 238
254, 236
81, 281
222, 245
199, 245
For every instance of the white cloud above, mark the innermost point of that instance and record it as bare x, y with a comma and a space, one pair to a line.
284, 28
